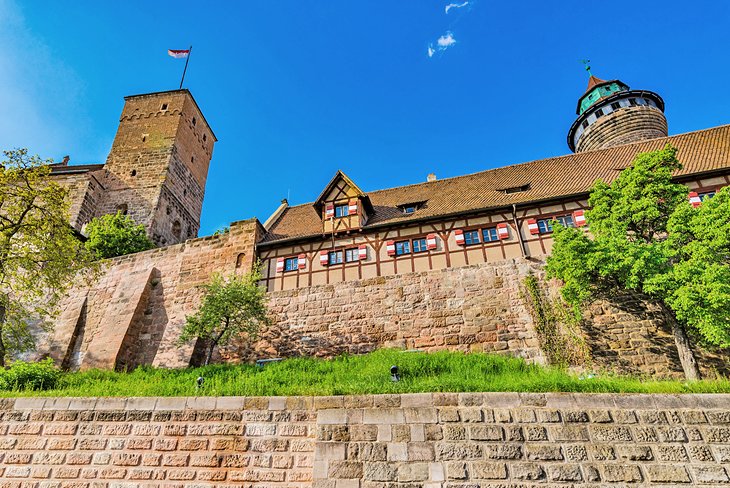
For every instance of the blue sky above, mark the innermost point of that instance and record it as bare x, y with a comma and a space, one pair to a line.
297, 89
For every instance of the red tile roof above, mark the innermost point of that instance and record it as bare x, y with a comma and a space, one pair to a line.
549, 179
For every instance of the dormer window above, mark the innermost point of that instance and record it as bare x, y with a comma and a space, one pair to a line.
515, 189
410, 208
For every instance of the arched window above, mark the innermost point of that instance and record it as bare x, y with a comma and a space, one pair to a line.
176, 229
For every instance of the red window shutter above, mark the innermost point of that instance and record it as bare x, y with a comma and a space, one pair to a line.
502, 231
459, 235
363, 251
694, 199
390, 247
352, 207
280, 265
579, 218
324, 258
302, 261
330, 210
532, 225
431, 241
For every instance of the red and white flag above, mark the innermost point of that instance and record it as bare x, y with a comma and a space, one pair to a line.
178, 53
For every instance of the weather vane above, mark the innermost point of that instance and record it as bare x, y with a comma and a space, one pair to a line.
587, 64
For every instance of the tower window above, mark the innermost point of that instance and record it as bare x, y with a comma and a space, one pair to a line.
632, 102
584, 124
615, 105
205, 137
144, 137
176, 229
164, 106
133, 173
194, 121
192, 159
599, 113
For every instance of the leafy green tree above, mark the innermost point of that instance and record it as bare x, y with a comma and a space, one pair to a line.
646, 237
40, 253
232, 307
115, 235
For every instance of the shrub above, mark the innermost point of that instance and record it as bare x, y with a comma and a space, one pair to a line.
21, 375
110, 236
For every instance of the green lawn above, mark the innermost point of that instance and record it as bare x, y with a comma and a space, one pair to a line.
370, 373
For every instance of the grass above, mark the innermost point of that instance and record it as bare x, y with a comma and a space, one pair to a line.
420, 372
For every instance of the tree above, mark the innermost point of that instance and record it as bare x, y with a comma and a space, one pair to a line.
232, 307
40, 253
646, 237
115, 235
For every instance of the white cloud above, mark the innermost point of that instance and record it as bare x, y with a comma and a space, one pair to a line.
455, 5
446, 41
442, 44
40, 96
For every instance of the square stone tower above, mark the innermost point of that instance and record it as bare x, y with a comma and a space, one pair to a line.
158, 164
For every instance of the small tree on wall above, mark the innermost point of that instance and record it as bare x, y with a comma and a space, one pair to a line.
646, 237
115, 235
40, 254
232, 307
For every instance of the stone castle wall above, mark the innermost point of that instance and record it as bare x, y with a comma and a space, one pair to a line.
430, 440
135, 311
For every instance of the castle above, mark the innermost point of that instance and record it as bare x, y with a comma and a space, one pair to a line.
427, 266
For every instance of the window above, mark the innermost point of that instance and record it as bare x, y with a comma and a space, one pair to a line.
471, 237
194, 121
615, 105
164, 106
341, 211
290, 264
205, 137
123, 208
133, 173
584, 124
599, 113
419, 245
632, 102
705, 196
402, 247
352, 255
176, 229
411, 207
490, 235
192, 159
335, 257
144, 137
546, 225
516, 189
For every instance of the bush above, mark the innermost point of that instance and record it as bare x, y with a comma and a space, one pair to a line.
20, 375
110, 236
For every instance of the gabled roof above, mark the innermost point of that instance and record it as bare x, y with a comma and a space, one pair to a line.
340, 175
550, 179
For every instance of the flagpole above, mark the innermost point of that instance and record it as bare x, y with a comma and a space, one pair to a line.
187, 60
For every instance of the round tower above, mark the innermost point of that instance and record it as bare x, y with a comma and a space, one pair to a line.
611, 114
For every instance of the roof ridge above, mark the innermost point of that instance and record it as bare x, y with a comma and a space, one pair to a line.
524, 163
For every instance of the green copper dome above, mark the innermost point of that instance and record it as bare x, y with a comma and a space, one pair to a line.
597, 90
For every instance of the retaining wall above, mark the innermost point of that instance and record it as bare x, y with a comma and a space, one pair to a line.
372, 441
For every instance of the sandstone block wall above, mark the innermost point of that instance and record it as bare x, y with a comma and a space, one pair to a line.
430, 440
624, 126
134, 313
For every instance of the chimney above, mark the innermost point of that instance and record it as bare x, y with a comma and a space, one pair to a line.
431, 177
65, 161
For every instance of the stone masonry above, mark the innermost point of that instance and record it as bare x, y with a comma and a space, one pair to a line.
430, 440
